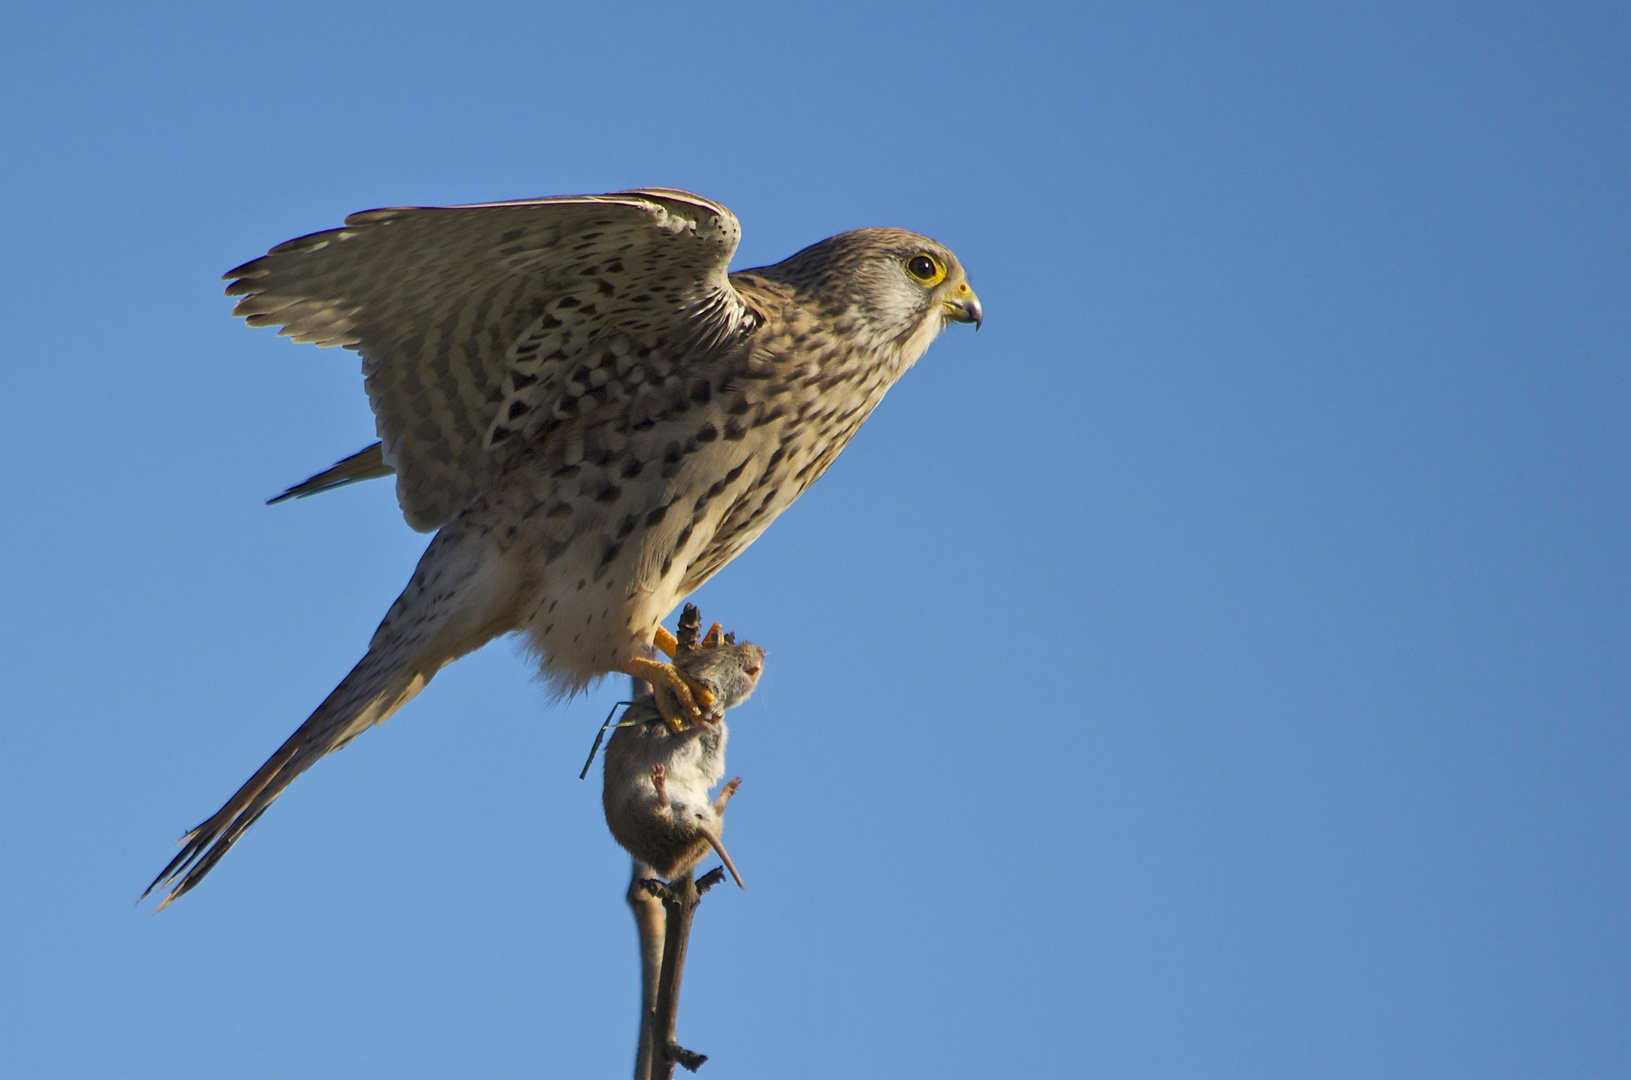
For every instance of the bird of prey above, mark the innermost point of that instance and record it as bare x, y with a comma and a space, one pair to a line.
592, 413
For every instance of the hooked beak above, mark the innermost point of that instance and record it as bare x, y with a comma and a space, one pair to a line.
964, 306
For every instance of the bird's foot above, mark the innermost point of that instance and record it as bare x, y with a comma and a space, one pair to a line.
670, 645
679, 698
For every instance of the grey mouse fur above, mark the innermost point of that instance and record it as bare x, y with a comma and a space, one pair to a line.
656, 780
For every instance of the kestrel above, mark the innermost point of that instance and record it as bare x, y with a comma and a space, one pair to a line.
593, 414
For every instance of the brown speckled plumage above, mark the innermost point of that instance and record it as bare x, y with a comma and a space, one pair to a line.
594, 415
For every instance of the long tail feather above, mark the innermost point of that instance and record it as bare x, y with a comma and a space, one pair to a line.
365, 464
457, 601
373, 691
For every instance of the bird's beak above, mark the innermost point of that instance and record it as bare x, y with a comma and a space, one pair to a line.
964, 306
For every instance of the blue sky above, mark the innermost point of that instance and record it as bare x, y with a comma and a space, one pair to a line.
1216, 667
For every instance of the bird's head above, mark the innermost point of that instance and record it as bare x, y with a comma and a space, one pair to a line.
901, 288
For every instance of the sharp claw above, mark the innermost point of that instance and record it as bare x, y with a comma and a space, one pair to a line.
701, 694
664, 677
690, 699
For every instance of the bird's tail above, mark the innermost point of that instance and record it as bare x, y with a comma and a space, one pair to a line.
365, 464
444, 613
373, 691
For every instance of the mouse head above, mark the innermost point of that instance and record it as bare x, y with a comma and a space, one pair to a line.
730, 671
716, 661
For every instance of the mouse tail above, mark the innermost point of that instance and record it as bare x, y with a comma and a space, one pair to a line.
724, 856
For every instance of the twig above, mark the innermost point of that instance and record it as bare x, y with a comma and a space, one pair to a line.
680, 905
652, 923
709, 880
663, 913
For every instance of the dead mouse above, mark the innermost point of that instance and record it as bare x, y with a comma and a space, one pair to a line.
656, 780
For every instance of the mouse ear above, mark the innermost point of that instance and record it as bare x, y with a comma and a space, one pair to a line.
730, 638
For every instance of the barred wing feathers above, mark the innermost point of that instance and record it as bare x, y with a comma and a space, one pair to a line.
484, 327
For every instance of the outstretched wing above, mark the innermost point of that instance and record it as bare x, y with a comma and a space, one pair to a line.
484, 327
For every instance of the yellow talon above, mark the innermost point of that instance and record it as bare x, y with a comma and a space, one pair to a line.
679, 698
665, 641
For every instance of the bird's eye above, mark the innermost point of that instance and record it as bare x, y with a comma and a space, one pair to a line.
926, 268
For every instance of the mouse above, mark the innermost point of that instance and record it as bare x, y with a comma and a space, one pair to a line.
656, 780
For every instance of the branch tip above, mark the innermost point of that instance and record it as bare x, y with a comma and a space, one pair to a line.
656, 889
689, 1060
710, 879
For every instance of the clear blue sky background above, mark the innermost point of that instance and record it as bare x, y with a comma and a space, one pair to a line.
1216, 667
